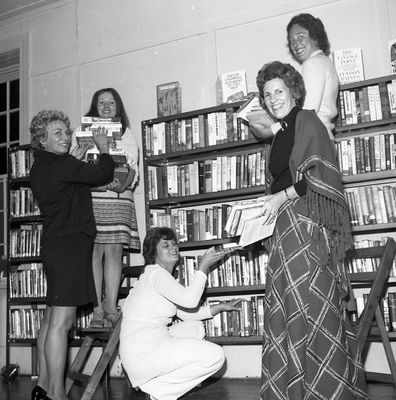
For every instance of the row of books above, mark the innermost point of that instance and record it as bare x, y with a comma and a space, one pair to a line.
372, 204
388, 308
21, 161
206, 176
368, 103
195, 132
194, 224
28, 280
215, 222
22, 203
358, 265
363, 154
239, 268
25, 322
249, 321
25, 241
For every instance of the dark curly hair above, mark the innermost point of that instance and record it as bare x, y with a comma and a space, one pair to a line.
289, 75
39, 125
150, 242
315, 28
120, 109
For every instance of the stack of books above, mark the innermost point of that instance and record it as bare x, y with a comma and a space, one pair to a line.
116, 150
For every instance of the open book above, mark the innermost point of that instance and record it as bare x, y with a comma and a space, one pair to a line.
255, 229
245, 220
252, 112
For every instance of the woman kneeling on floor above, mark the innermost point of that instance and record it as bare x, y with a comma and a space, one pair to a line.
168, 361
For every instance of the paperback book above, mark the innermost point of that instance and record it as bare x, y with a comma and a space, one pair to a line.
392, 55
252, 112
231, 87
246, 221
349, 65
168, 99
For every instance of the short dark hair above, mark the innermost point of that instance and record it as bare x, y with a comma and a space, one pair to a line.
39, 126
150, 242
120, 109
289, 75
315, 28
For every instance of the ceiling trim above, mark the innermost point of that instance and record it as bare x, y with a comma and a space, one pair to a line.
33, 5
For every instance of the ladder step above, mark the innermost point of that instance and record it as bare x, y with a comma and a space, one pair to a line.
78, 376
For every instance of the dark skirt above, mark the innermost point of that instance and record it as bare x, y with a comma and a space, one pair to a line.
308, 350
67, 264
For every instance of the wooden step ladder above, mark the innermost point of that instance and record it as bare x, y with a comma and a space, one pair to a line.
379, 281
109, 337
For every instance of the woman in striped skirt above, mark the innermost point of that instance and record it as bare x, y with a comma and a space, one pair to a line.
114, 212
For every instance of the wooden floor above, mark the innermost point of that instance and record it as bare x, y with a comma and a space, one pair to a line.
221, 389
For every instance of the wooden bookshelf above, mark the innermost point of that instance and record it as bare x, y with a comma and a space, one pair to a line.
367, 161
233, 142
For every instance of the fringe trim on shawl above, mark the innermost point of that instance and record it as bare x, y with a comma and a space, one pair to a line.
334, 217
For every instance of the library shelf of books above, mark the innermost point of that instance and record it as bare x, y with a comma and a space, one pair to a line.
26, 284
366, 147
196, 166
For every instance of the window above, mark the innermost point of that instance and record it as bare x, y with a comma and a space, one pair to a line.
9, 128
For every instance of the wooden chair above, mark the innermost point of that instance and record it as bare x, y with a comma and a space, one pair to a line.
108, 338
372, 309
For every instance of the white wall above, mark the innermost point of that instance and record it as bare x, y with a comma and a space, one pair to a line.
77, 47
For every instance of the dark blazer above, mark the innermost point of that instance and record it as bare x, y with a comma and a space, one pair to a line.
61, 185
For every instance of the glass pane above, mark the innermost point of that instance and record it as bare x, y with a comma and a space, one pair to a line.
14, 126
14, 94
3, 96
3, 129
3, 160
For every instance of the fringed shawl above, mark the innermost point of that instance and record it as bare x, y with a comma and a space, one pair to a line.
313, 156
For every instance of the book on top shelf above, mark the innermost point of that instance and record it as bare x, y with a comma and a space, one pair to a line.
349, 65
231, 87
392, 55
168, 99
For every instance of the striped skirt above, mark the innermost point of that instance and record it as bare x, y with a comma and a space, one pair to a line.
115, 218
308, 352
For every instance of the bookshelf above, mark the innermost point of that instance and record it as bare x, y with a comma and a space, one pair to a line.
26, 287
366, 147
26, 283
196, 165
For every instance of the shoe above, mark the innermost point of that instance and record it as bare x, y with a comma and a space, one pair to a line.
111, 317
38, 393
96, 320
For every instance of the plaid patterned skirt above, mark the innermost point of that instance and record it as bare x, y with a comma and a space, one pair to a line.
308, 353
115, 218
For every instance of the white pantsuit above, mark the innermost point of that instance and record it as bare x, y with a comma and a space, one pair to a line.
164, 361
